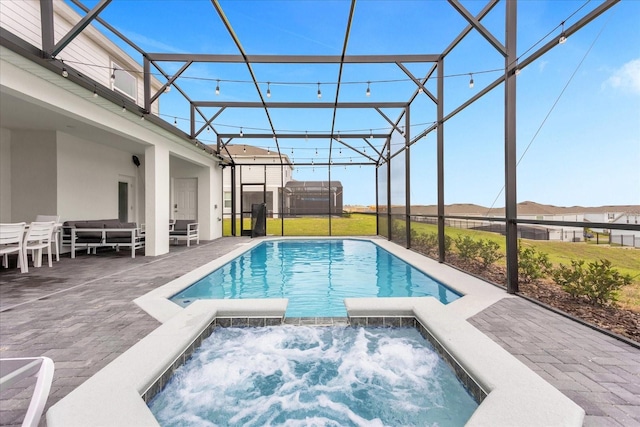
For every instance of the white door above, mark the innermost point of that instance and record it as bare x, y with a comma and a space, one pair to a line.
185, 198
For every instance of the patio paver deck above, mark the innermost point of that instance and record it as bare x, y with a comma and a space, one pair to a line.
596, 371
80, 313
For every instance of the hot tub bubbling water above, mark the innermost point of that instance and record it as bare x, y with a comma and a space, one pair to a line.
314, 376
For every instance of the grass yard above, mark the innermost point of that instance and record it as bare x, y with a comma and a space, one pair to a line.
354, 225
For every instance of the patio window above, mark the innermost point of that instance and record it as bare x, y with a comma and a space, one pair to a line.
123, 82
227, 199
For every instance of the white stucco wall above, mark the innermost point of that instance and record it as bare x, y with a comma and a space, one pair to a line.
33, 174
88, 175
157, 178
5, 175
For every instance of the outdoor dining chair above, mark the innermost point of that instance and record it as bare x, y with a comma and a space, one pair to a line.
11, 240
14, 370
38, 237
55, 232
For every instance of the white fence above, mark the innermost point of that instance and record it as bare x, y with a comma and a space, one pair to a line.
625, 240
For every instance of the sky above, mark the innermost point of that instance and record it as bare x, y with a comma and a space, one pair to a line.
578, 106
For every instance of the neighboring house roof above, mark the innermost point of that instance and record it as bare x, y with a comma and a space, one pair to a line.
239, 151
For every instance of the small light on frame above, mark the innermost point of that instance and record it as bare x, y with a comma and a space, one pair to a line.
563, 37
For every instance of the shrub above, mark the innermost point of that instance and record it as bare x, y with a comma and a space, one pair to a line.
447, 242
532, 265
398, 229
431, 240
467, 247
426, 241
598, 282
488, 251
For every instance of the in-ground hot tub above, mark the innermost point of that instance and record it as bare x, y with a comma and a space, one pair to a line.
309, 375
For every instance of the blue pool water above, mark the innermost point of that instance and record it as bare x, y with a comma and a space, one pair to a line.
316, 276
313, 376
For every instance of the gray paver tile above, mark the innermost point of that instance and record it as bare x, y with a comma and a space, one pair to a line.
632, 386
629, 397
582, 399
587, 382
632, 410
620, 416
605, 377
601, 421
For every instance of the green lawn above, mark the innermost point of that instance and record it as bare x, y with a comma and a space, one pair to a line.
625, 260
354, 225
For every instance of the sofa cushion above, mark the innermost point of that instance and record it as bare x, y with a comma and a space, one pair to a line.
119, 236
181, 224
112, 223
67, 226
88, 236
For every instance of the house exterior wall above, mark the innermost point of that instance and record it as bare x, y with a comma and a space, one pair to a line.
566, 234
5, 175
276, 177
88, 175
110, 136
209, 196
90, 52
33, 174
628, 218
22, 18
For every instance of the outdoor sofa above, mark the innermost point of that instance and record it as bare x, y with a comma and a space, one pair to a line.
184, 229
93, 234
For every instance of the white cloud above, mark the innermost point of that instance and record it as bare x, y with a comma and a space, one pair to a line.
148, 43
542, 65
626, 78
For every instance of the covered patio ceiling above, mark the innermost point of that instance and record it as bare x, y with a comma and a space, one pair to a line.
371, 78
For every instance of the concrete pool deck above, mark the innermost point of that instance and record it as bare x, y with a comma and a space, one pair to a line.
80, 313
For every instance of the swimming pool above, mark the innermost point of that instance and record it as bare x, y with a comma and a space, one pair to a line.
297, 375
315, 276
